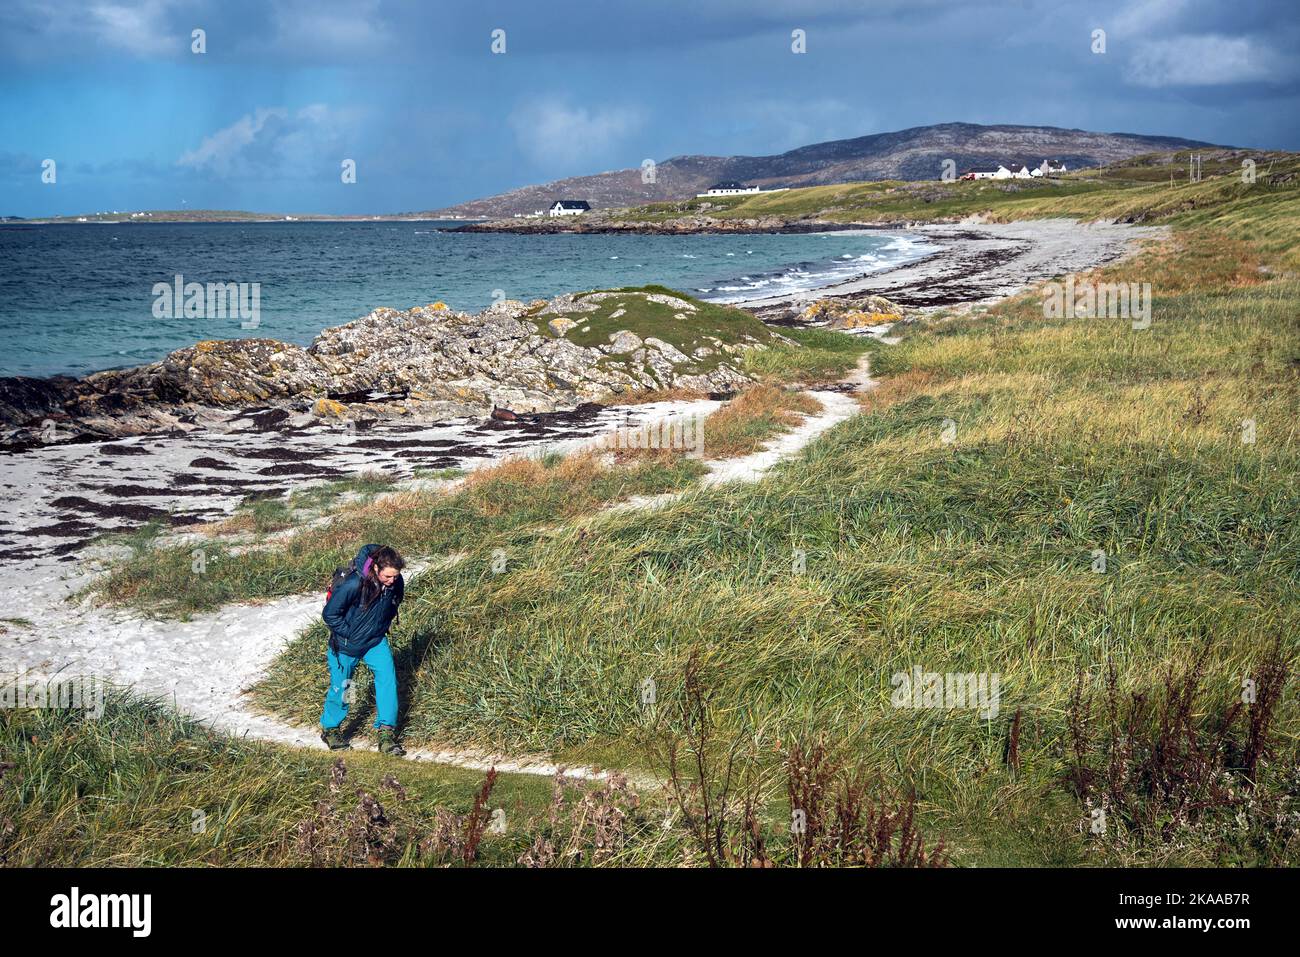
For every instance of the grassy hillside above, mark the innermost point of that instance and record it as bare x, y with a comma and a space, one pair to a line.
1071, 438
1138, 190
686, 323
1105, 518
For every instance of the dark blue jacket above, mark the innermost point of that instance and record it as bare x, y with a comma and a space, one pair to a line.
356, 629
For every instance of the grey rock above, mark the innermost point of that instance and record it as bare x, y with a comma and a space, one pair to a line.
426, 362
670, 351
624, 341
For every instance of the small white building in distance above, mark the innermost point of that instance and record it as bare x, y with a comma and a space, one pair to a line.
568, 207
729, 189
1002, 171
1049, 168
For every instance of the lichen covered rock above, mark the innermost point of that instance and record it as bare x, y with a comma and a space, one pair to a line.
431, 362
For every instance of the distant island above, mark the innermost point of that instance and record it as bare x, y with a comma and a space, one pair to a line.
226, 216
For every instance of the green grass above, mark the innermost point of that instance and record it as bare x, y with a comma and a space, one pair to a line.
140, 786
953, 526
262, 514
439, 474
704, 324
143, 787
819, 355
499, 508
1071, 436
882, 201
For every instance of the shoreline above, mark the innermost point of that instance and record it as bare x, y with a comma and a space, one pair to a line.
827, 277
679, 226
970, 262
305, 218
977, 262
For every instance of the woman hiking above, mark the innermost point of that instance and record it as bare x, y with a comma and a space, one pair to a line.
358, 611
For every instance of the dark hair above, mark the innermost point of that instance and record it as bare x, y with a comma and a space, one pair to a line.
383, 557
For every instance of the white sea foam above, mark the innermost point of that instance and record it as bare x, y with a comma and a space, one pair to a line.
806, 277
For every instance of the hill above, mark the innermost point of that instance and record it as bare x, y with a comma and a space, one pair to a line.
912, 154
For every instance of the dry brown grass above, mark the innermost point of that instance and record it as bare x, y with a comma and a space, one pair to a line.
742, 425
662, 456
738, 428
236, 524
490, 489
897, 388
1203, 260
526, 470
404, 501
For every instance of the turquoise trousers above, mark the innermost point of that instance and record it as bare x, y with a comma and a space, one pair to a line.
379, 660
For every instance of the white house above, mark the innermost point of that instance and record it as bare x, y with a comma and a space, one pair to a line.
1050, 168
729, 189
981, 172
1014, 171
568, 207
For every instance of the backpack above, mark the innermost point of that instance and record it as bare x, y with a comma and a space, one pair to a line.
338, 577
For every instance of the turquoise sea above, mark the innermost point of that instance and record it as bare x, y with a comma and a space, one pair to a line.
79, 298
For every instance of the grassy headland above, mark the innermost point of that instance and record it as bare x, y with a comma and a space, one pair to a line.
1103, 517
1072, 440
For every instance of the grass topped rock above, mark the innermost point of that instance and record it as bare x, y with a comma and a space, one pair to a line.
430, 361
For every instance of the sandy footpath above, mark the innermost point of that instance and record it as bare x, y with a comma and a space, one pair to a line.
203, 666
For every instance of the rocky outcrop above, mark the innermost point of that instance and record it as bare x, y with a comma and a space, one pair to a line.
861, 311
854, 312
429, 362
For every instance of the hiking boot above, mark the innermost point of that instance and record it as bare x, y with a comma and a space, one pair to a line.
334, 739
388, 743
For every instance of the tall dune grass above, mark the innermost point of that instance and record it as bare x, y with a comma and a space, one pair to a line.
1069, 439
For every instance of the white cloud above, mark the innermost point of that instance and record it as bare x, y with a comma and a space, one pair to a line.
137, 28
161, 29
275, 141
557, 135
1206, 60
141, 29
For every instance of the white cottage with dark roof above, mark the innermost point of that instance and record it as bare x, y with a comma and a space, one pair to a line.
730, 189
568, 207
